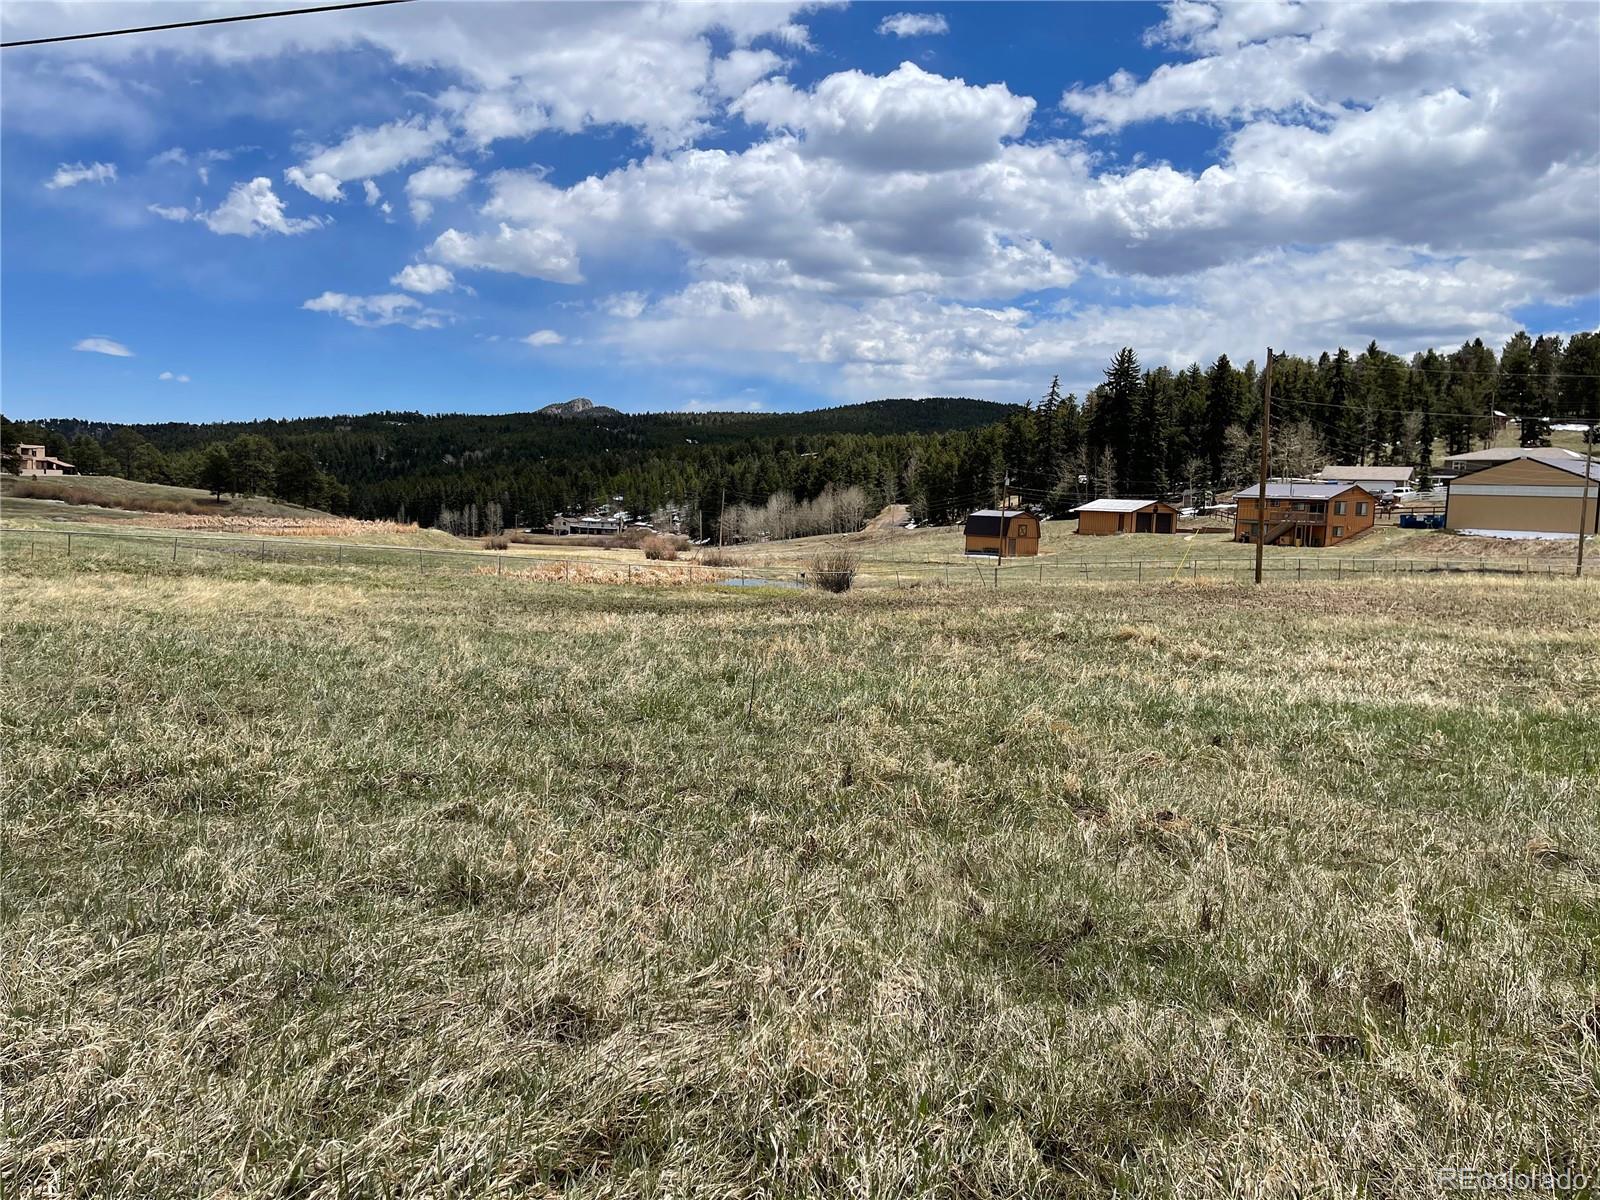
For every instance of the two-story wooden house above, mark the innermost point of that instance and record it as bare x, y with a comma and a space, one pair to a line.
1303, 514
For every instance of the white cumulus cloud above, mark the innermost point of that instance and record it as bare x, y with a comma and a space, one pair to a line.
544, 337
253, 208
72, 174
370, 152
318, 183
906, 25
907, 120
424, 278
437, 181
373, 311
537, 253
169, 377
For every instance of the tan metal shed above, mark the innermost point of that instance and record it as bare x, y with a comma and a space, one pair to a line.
1527, 496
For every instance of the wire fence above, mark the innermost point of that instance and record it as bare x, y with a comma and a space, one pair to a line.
956, 571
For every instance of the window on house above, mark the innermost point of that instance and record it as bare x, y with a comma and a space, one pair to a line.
1338, 508
1338, 531
1361, 508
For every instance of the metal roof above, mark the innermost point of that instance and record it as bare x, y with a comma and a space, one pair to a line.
1362, 474
1507, 453
985, 522
1296, 491
1115, 505
1573, 466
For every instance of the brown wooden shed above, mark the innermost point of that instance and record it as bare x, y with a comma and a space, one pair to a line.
1126, 516
1008, 533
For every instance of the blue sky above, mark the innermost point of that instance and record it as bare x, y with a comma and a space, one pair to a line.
487, 207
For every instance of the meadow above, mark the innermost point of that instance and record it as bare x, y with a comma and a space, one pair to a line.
360, 882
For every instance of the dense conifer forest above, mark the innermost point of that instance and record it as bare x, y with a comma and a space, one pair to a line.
1181, 434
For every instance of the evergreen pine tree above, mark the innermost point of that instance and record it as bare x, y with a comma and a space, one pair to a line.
1222, 411
1545, 369
1514, 392
1115, 407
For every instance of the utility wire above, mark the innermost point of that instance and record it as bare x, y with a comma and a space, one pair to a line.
260, 16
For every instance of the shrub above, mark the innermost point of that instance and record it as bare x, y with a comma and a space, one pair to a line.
834, 570
662, 546
497, 541
716, 556
630, 538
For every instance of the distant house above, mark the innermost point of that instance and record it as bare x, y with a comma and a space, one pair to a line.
32, 460
1007, 532
1478, 460
1380, 481
564, 525
1529, 496
1126, 516
1303, 514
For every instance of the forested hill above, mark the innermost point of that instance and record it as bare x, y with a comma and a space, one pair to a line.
1179, 434
406, 464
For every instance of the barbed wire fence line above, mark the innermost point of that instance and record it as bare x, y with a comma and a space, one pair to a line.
875, 571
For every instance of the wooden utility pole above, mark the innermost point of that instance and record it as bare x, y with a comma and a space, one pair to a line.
1583, 504
721, 517
1000, 545
1266, 443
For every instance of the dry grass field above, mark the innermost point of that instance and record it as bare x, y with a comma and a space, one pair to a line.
272, 520
356, 883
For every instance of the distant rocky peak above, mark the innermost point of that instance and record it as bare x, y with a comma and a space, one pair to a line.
578, 406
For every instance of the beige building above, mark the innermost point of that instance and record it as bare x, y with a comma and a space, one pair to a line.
1524, 497
32, 460
1380, 481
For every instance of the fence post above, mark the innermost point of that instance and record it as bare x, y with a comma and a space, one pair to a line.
174, 549
1141, 570
262, 557
340, 560
69, 545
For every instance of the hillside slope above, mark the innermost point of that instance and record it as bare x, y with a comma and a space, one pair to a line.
132, 496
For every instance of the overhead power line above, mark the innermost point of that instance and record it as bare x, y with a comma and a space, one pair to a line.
260, 16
